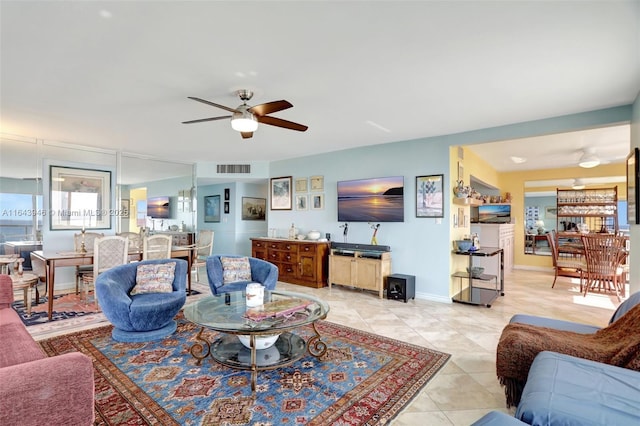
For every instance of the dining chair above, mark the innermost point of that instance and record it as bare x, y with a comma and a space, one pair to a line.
89, 238
156, 247
572, 264
135, 240
38, 268
605, 255
202, 249
107, 252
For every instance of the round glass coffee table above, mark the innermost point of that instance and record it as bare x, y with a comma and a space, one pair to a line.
282, 312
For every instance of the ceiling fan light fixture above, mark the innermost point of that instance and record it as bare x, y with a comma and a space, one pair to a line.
244, 121
578, 184
589, 159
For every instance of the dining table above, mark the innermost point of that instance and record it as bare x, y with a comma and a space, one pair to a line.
56, 259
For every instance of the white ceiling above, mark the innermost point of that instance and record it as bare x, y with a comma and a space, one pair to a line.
117, 74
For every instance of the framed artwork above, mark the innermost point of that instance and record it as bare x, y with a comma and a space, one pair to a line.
301, 185
460, 171
429, 196
550, 212
302, 202
254, 208
633, 182
212, 208
79, 198
226, 207
317, 201
227, 194
281, 193
317, 183
124, 209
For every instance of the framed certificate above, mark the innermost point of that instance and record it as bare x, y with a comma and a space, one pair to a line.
317, 183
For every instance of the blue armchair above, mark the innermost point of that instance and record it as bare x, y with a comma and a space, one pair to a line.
262, 272
141, 317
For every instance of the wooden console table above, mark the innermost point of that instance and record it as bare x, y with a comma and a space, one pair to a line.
361, 268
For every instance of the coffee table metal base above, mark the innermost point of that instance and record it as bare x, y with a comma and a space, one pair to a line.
229, 351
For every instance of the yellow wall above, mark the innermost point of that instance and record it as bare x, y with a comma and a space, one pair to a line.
513, 182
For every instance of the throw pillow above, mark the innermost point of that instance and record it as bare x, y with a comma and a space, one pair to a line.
154, 278
235, 269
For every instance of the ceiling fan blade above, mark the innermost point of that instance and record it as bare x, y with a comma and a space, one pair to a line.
226, 108
200, 120
281, 123
246, 135
270, 107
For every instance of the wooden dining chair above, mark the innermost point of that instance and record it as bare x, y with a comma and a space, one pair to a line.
107, 252
89, 238
135, 240
156, 247
573, 265
202, 249
605, 255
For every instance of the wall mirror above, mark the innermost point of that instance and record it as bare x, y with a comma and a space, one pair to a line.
540, 213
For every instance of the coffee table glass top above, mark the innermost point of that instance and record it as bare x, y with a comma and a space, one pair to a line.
226, 313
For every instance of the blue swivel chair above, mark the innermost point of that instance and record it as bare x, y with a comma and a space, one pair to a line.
140, 317
262, 272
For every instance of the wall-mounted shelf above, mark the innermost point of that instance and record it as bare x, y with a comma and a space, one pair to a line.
467, 201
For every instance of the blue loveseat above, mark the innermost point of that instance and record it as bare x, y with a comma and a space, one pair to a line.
565, 390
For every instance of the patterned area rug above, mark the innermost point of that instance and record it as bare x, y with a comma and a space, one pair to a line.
363, 379
64, 307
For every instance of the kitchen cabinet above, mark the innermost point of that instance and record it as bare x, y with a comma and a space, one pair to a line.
497, 235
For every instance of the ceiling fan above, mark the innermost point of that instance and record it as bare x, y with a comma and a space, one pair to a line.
245, 118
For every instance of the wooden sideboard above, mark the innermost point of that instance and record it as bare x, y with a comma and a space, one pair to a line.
298, 261
179, 238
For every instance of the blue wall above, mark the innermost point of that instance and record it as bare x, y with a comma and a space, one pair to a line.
420, 246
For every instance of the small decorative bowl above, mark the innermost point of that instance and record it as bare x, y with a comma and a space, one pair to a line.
463, 245
313, 235
476, 271
262, 342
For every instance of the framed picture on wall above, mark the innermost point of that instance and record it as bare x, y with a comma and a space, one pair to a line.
79, 198
254, 208
281, 198
429, 197
317, 201
301, 185
212, 208
124, 209
226, 207
633, 181
302, 202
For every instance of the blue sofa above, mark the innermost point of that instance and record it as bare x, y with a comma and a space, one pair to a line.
565, 390
263, 272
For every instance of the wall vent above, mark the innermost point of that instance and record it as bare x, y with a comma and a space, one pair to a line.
233, 168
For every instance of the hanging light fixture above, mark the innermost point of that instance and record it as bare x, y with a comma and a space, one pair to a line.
578, 184
243, 120
589, 158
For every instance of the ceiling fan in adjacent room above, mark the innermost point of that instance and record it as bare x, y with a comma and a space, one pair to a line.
245, 118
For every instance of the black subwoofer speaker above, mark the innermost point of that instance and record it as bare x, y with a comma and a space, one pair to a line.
401, 287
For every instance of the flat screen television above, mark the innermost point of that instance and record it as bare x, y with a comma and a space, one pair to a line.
371, 200
159, 207
494, 213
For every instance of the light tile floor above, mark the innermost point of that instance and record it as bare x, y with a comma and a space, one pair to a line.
467, 387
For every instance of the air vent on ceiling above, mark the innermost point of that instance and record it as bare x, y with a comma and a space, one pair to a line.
234, 168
